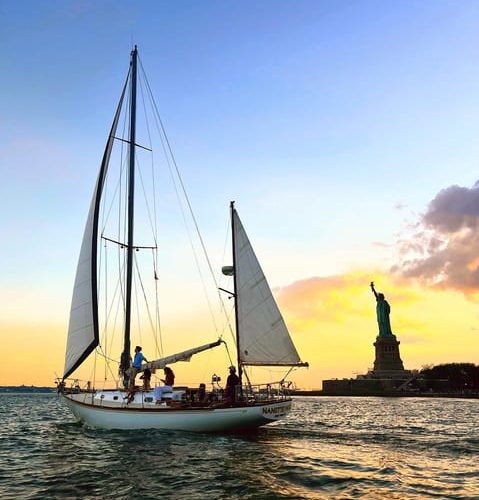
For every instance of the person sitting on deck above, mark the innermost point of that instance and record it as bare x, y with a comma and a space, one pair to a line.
146, 377
169, 381
169, 376
231, 383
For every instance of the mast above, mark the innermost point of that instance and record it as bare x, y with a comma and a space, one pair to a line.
240, 368
125, 357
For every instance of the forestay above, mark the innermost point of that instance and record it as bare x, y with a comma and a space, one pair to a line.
263, 337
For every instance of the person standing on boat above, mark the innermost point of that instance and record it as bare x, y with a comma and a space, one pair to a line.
136, 365
231, 383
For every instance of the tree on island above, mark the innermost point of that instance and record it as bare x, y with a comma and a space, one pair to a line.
460, 375
25, 389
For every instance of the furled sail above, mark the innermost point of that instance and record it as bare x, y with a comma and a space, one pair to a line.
180, 356
263, 338
83, 327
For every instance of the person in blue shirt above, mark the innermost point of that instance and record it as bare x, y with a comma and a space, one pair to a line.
136, 365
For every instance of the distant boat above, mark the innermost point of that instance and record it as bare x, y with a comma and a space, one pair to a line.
262, 338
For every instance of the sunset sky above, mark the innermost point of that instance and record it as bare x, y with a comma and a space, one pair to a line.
346, 131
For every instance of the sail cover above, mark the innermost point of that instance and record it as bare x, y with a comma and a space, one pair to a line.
180, 356
83, 326
263, 337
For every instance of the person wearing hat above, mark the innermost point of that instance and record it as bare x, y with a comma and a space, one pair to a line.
231, 383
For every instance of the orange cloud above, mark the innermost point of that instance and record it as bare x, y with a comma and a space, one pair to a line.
340, 298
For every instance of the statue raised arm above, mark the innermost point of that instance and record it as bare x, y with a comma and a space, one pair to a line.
383, 310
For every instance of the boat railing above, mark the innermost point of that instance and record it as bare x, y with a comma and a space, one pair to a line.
73, 386
264, 392
248, 393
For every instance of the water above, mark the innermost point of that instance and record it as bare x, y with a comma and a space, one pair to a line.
328, 448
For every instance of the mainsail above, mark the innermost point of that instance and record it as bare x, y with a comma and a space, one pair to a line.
263, 338
83, 327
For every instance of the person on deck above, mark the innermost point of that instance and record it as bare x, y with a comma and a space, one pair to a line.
201, 396
231, 383
169, 377
146, 377
136, 365
169, 381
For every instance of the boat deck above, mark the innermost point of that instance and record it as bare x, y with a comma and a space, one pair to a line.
174, 400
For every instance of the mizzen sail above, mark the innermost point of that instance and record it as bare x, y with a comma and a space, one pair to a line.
83, 327
263, 338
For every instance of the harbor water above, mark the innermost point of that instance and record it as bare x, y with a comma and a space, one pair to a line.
327, 448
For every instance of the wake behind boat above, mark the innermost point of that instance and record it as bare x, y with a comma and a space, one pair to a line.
262, 338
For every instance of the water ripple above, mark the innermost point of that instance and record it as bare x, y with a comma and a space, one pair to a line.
328, 448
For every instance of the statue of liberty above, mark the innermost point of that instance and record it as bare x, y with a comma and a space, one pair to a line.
382, 311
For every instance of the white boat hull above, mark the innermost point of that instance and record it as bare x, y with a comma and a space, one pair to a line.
190, 419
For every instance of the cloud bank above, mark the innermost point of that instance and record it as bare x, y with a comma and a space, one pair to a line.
442, 248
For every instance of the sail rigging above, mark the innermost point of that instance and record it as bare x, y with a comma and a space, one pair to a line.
262, 336
84, 328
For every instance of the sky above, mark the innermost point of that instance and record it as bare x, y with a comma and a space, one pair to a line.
346, 132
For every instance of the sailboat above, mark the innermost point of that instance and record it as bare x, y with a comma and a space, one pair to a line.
262, 338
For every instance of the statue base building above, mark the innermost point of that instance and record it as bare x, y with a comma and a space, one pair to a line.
387, 377
388, 362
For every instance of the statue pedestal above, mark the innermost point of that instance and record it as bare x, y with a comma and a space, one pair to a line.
388, 378
388, 363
